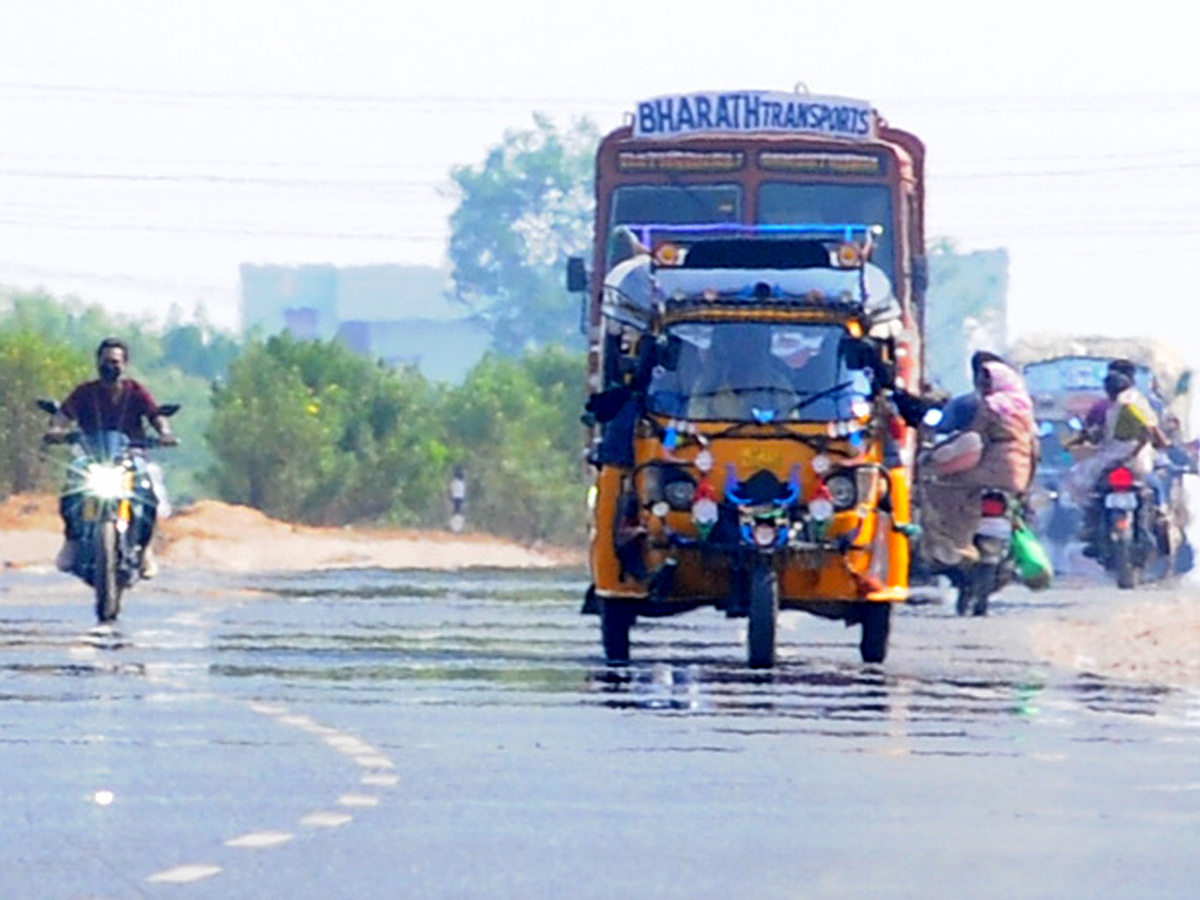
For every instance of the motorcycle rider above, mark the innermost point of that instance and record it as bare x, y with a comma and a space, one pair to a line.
996, 422
1125, 429
113, 402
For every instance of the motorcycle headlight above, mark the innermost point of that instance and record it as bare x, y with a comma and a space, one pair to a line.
842, 491
105, 482
679, 494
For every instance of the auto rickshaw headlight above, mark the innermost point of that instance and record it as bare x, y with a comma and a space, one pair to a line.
705, 512
821, 509
765, 534
679, 494
842, 491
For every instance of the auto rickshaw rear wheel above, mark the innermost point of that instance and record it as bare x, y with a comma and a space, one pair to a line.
616, 618
763, 614
876, 621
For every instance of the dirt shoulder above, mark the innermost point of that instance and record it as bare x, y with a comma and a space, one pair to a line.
223, 537
1150, 636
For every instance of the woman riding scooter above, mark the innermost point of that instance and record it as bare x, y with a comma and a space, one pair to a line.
995, 449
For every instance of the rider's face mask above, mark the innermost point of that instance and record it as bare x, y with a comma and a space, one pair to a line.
110, 370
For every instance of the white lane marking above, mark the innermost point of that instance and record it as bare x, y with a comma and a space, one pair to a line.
350, 745
269, 709
185, 874
375, 762
358, 800
326, 820
256, 840
381, 780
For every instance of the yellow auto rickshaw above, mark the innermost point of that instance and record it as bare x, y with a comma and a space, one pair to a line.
748, 456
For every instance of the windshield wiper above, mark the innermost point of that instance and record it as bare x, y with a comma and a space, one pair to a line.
819, 395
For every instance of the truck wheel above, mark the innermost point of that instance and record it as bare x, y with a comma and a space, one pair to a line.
876, 625
616, 618
764, 612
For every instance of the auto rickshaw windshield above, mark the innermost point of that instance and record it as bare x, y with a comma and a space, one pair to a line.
758, 372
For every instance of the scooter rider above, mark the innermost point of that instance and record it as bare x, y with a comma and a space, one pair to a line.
113, 402
999, 452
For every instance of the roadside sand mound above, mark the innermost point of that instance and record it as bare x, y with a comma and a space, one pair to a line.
29, 512
1154, 639
220, 521
226, 537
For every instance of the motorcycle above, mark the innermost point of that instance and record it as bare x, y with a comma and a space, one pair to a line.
1129, 538
106, 490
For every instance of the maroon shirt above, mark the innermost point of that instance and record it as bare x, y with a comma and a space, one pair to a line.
91, 406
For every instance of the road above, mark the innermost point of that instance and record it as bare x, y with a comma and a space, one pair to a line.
383, 734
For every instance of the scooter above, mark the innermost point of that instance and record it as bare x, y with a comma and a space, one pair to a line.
993, 541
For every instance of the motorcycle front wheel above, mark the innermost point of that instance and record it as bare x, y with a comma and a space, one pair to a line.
107, 584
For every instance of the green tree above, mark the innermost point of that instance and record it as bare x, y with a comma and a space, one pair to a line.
521, 213
310, 431
32, 366
514, 426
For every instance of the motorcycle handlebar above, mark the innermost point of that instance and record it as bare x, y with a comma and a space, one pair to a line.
150, 442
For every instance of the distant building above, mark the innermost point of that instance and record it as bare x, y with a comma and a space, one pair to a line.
400, 314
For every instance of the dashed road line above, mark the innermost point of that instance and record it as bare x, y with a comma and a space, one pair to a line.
258, 840
358, 800
326, 819
376, 779
185, 874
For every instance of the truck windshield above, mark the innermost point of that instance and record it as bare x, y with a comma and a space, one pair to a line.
781, 203
683, 204
1077, 373
758, 372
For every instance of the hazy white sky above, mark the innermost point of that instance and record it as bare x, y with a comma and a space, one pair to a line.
150, 147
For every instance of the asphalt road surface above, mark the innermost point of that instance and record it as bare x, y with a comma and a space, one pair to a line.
379, 734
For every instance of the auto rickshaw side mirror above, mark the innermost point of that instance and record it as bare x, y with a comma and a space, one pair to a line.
857, 353
668, 348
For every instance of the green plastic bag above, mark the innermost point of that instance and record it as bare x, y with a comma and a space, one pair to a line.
1032, 562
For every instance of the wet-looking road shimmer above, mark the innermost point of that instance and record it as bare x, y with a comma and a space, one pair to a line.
384, 734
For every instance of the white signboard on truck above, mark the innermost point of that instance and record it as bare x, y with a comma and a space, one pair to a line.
754, 112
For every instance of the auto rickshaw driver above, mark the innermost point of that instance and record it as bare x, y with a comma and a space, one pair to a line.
743, 380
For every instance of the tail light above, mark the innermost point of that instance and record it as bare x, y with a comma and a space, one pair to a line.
993, 506
1120, 479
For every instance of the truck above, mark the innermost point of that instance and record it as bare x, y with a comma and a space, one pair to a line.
801, 206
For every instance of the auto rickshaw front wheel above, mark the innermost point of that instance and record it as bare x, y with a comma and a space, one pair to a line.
763, 614
616, 618
876, 621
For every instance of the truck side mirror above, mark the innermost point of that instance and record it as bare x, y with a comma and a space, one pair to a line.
577, 275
